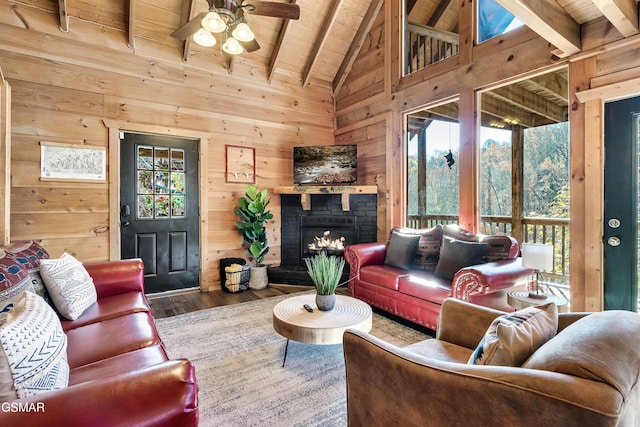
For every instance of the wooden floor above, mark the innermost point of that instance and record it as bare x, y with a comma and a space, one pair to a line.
167, 305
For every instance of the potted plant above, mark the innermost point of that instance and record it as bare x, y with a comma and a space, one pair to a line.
325, 272
253, 214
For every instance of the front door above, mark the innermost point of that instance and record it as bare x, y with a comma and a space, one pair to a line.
159, 218
621, 124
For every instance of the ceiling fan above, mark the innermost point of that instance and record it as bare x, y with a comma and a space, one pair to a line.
226, 17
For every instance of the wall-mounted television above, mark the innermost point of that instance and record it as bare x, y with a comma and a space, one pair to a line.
325, 164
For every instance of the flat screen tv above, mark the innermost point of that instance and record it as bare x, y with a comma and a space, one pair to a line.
325, 164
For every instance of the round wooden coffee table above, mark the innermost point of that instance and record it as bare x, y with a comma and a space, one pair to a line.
293, 322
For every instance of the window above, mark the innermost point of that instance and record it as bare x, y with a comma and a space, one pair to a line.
430, 33
160, 191
432, 172
494, 20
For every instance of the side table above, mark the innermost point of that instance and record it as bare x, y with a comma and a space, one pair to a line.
520, 300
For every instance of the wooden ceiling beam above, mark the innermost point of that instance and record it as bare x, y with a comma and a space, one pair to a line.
554, 85
277, 48
549, 21
623, 14
323, 35
64, 16
437, 14
531, 102
358, 40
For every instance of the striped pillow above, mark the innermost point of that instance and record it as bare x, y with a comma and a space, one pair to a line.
69, 285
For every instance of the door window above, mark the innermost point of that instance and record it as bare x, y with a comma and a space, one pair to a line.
160, 189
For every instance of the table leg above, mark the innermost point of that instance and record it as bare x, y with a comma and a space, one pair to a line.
286, 348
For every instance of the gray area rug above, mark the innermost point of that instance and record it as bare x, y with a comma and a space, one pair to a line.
238, 358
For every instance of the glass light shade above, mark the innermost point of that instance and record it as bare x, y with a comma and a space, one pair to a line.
537, 256
232, 46
213, 22
243, 33
204, 38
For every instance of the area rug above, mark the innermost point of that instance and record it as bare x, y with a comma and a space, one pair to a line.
238, 359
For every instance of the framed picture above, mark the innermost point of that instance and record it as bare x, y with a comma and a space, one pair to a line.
72, 162
240, 165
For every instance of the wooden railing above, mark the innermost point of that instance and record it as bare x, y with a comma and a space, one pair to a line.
426, 45
553, 231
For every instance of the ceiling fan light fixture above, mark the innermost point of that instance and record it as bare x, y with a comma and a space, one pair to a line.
204, 38
243, 33
213, 23
232, 46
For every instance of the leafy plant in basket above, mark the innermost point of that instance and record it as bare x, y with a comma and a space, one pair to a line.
253, 214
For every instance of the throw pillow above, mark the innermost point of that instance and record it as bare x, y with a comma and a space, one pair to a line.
14, 281
456, 254
69, 285
34, 348
428, 248
513, 337
29, 255
401, 250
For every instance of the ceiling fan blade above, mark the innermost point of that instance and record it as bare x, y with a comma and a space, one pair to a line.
251, 46
276, 10
189, 28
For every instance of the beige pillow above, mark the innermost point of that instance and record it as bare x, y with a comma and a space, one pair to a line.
69, 285
513, 337
33, 350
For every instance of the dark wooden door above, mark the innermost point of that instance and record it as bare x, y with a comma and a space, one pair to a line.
621, 204
159, 218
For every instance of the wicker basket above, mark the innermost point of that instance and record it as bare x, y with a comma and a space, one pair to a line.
238, 280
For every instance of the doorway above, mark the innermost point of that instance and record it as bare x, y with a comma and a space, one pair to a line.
621, 125
159, 209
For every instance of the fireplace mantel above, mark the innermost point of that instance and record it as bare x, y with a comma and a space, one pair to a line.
306, 190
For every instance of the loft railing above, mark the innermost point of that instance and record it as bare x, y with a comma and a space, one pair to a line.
427, 45
553, 231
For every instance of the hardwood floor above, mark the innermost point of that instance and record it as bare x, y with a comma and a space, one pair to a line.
167, 305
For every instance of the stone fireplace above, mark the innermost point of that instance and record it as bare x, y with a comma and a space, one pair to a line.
323, 225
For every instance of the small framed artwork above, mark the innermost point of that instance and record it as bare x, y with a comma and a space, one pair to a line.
72, 162
241, 164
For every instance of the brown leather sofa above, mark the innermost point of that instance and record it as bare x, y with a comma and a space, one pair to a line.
588, 374
416, 293
119, 372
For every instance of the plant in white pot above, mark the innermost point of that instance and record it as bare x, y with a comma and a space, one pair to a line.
325, 272
253, 213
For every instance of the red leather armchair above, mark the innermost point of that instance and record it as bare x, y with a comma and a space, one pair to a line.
119, 372
416, 294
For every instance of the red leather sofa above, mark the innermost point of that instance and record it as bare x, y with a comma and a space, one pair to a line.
119, 372
416, 293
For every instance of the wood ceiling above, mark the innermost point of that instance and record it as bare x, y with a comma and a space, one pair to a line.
318, 48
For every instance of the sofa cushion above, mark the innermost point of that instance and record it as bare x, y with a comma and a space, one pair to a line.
456, 254
382, 275
98, 341
109, 308
513, 337
426, 286
584, 349
29, 254
70, 286
35, 348
14, 281
401, 250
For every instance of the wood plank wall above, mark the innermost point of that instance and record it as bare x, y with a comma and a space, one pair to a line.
363, 104
65, 89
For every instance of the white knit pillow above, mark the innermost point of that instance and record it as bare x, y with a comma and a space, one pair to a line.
69, 285
34, 348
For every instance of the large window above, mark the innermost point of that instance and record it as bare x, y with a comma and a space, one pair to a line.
432, 171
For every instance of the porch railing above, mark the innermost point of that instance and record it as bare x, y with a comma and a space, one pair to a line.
427, 45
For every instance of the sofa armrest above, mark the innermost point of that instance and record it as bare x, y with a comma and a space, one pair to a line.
489, 277
362, 254
161, 395
475, 318
117, 277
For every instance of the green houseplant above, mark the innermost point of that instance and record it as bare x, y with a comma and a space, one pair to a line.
325, 272
253, 213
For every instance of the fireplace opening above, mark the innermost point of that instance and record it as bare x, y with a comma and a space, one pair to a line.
328, 234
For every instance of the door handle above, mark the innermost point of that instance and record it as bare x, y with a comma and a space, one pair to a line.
125, 223
613, 241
